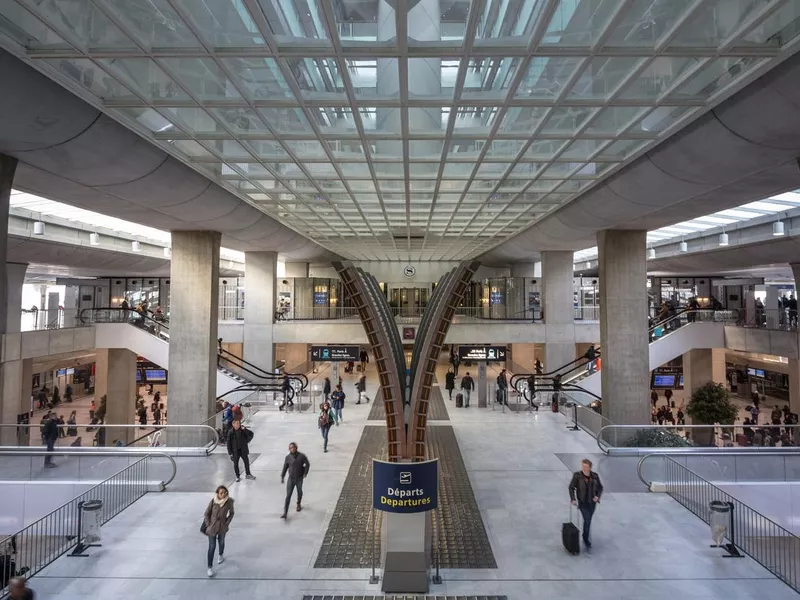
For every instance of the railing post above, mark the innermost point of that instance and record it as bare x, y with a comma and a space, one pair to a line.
574, 417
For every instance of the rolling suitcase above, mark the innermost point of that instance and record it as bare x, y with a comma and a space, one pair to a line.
459, 400
570, 535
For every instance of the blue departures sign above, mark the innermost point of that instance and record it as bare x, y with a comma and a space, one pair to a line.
405, 487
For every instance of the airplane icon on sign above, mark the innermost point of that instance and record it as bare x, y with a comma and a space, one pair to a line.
405, 478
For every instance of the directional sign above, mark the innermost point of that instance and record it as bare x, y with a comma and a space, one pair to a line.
335, 353
405, 487
479, 353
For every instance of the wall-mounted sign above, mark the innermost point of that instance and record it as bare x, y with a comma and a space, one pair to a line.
405, 487
335, 353
409, 271
409, 333
478, 353
155, 375
321, 298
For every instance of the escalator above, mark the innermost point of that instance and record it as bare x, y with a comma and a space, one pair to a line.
149, 337
572, 372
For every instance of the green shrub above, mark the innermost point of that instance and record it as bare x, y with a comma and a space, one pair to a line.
656, 438
712, 404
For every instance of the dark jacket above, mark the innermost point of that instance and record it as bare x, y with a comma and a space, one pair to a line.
467, 383
239, 441
361, 385
450, 381
578, 490
337, 400
50, 429
532, 384
327, 388
218, 518
296, 464
363, 356
502, 383
591, 353
286, 385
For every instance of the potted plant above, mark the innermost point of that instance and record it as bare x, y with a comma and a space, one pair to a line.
710, 404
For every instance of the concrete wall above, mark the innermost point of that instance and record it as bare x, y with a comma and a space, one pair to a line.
763, 341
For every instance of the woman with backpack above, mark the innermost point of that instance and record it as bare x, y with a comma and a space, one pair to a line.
216, 523
325, 421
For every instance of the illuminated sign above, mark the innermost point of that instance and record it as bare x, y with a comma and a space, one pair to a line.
479, 353
335, 353
405, 487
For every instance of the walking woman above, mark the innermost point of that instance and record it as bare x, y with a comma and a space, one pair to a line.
72, 430
450, 383
216, 522
326, 389
326, 420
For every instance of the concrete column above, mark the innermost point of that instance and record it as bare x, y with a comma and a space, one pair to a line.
623, 326
194, 304
8, 167
559, 316
293, 269
701, 366
771, 307
260, 270
794, 385
15, 403
115, 378
15, 277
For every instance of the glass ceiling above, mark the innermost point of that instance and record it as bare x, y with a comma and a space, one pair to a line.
432, 134
745, 212
91, 220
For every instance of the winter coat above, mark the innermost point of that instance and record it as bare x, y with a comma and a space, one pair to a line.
450, 381
218, 518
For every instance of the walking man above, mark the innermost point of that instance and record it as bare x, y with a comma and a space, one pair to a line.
502, 388
296, 465
364, 360
467, 385
337, 399
288, 392
239, 439
585, 490
50, 435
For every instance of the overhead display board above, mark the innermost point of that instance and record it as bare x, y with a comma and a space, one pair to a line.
478, 353
335, 353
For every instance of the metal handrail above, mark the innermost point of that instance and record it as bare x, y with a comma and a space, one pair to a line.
758, 536
107, 453
724, 452
208, 449
46, 539
607, 449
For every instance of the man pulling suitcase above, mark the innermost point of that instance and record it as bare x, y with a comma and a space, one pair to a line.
585, 490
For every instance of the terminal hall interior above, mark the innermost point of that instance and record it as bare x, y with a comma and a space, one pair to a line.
490, 299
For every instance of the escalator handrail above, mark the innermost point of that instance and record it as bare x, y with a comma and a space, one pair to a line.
723, 452
685, 311
255, 369
115, 453
517, 377
131, 312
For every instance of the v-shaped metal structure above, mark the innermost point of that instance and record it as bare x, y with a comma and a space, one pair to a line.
406, 389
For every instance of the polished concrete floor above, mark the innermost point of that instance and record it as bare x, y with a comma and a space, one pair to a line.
645, 545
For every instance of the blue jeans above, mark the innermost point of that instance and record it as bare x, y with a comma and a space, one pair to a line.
338, 413
212, 546
587, 512
324, 431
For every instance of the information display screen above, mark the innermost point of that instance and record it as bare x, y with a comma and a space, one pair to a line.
154, 375
71, 371
138, 376
755, 372
61, 373
335, 353
479, 353
664, 381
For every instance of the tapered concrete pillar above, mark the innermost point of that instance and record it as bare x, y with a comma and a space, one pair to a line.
115, 378
527, 270
623, 326
194, 303
559, 315
260, 269
702, 366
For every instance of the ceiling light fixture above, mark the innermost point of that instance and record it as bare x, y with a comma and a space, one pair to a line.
684, 247
588, 265
167, 252
38, 228
94, 239
777, 228
723, 239
651, 253
136, 246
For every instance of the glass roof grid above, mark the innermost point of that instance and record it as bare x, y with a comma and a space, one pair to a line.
777, 27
